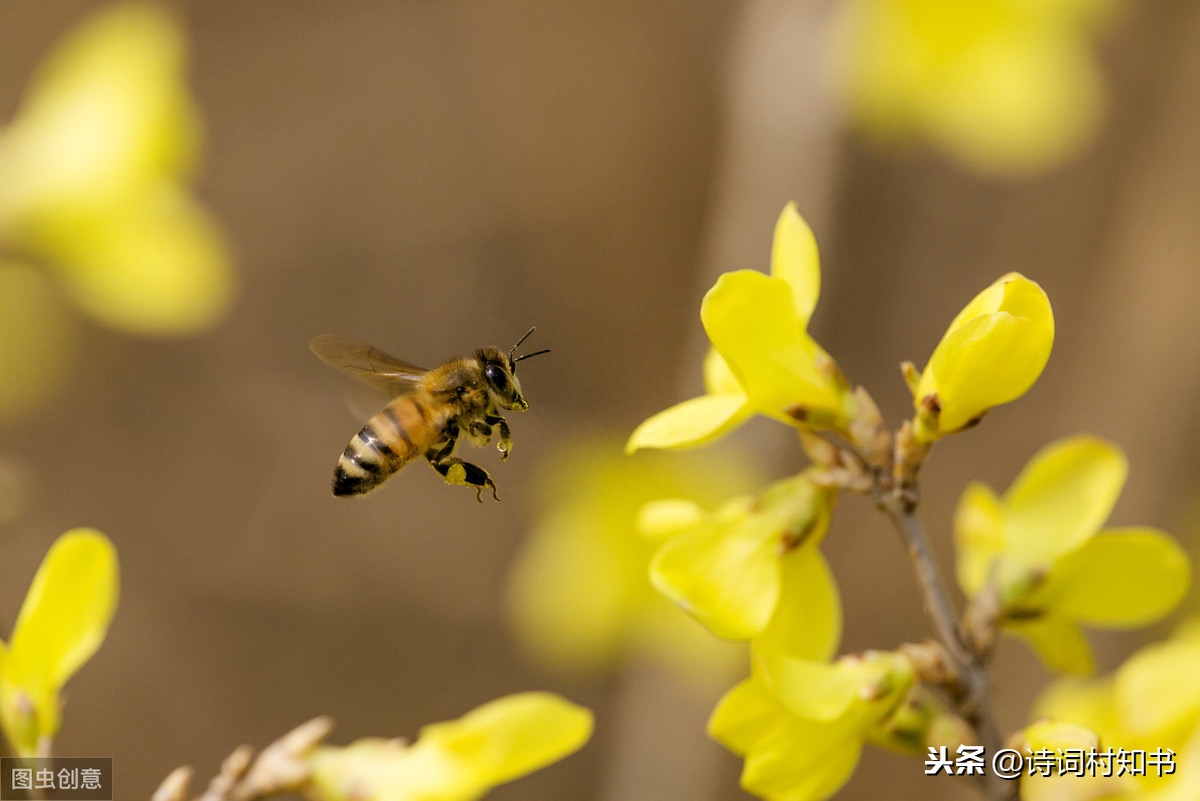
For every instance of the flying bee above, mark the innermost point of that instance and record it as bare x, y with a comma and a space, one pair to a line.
428, 411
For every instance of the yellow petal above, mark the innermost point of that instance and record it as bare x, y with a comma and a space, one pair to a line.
744, 716
1062, 497
1089, 702
694, 422
578, 595
659, 520
459, 760
511, 736
62, 622
1120, 579
978, 536
1146, 708
1058, 641
718, 378
991, 354
156, 267
107, 112
807, 622
858, 690
794, 258
752, 320
801, 760
724, 574
1019, 103
68, 608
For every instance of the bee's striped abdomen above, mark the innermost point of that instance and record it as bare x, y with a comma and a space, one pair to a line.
389, 440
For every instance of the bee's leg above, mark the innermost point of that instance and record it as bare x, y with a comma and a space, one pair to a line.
504, 445
480, 433
456, 471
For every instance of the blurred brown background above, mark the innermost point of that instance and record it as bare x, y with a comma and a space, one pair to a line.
434, 176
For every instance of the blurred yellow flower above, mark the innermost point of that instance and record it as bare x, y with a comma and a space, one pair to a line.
92, 178
991, 354
579, 597
61, 624
1040, 548
763, 361
1151, 703
459, 760
1007, 87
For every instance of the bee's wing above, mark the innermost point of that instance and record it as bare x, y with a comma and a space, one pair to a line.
367, 364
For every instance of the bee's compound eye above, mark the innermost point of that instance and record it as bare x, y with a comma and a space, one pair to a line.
494, 376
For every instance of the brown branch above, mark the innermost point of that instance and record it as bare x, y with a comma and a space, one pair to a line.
281, 767
972, 696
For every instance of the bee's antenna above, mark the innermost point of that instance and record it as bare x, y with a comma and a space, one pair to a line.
513, 361
530, 355
532, 328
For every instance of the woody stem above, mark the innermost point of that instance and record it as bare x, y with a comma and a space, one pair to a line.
975, 701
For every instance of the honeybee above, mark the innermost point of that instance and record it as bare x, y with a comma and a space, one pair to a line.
428, 412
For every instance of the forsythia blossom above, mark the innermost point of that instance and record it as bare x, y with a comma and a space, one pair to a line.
459, 760
1151, 703
991, 354
753, 569
61, 624
1040, 550
801, 724
1008, 87
763, 360
92, 177
578, 595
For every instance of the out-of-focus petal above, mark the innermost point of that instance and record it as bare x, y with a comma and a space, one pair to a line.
511, 736
718, 378
978, 536
68, 608
107, 113
458, 760
1156, 690
62, 622
159, 268
659, 520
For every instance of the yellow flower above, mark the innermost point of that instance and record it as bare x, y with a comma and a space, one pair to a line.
991, 354
1041, 550
753, 570
1007, 87
92, 171
1151, 703
801, 724
763, 360
1049, 736
459, 760
578, 594
61, 624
